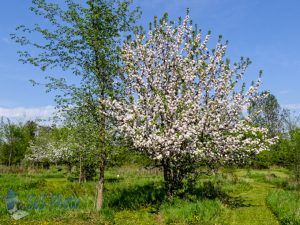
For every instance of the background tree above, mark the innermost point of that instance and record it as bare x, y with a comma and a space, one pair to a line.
14, 140
51, 146
83, 39
286, 152
266, 112
181, 105
290, 121
294, 156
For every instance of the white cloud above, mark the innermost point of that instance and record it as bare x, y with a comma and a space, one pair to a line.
6, 40
292, 106
22, 114
283, 92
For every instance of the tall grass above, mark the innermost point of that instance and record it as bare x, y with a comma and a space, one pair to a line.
199, 212
286, 206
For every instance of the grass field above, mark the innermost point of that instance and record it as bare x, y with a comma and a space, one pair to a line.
135, 196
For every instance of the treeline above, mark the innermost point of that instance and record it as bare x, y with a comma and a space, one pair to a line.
281, 123
31, 144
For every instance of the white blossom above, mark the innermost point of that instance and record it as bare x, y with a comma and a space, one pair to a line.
184, 99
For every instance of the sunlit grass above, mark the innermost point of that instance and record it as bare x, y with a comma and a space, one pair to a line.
286, 206
136, 196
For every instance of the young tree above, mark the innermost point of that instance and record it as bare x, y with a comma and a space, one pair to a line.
86, 139
83, 39
182, 104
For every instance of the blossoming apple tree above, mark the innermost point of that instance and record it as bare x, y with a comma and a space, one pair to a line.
184, 102
51, 151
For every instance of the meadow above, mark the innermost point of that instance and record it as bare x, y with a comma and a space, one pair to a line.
135, 195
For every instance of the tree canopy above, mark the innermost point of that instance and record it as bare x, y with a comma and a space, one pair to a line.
181, 105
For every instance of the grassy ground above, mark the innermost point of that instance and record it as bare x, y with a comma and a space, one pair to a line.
286, 206
135, 196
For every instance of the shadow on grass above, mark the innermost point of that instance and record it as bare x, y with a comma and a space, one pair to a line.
136, 197
153, 194
209, 190
113, 180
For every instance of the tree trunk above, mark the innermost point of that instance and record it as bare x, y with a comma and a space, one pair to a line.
9, 158
167, 177
69, 165
173, 177
80, 169
100, 186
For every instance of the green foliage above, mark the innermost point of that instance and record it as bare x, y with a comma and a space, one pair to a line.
123, 156
286, 152
295, 153
285, 205
280, 154
263, 160
15, 140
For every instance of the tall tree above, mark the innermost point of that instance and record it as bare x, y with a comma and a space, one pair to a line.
181, 103
267, 112
83, 39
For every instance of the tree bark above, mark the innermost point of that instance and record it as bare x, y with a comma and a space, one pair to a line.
167, 177
100, 185
80, 169
9, 158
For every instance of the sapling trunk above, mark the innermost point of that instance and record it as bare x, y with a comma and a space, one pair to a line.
100, 185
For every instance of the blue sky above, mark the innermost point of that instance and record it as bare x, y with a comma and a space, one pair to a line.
268, 32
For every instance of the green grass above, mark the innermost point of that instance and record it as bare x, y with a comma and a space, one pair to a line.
199, 212
286, 206
136, 196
